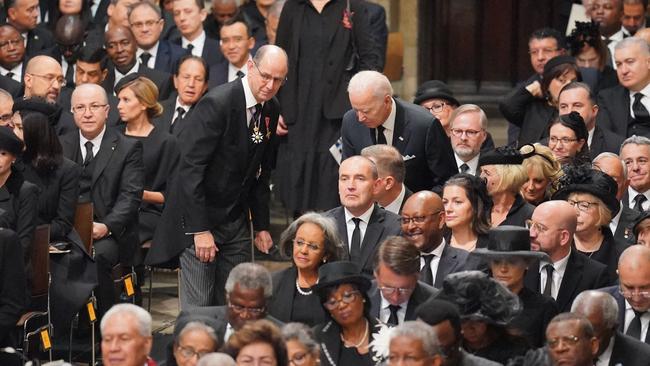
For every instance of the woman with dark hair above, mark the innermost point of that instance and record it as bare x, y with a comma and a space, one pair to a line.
137, 107
590, 52
467, 212
533, 106
568, 139
257, 343
346, 334
310, 241
486, 309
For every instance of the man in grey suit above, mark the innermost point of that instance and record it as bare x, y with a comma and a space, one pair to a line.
396, 291
361, 223
614, 348
423, 218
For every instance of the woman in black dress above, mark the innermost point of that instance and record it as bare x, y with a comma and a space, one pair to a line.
137, 107
320, 38
508, 255
311, 240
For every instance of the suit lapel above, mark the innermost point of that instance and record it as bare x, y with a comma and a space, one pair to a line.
373, 233
531, 280
71, 148
402, 131
570, 280
446, 264
106, 149
375, 300
339, 216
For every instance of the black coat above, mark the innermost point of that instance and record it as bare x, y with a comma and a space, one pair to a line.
218, 74
519, 212
11, 86
629, 351
329, 336
382, 224
223, 173
116, 188
604, 141
451, 261
164, 121
335, 78
19, 209
538, 310
421, 293
532, 115
624, 230
13, 285
614, 111
378, 28
581, 274
427, 153
38, 39
609, 252
284, 290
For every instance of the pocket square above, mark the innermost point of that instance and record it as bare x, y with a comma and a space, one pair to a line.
408, 157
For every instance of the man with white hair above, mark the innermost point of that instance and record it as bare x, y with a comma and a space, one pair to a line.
414, 340
126, 336
379, 118
614, 348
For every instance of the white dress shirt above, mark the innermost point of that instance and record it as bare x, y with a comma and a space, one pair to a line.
397, 203
629, 315
384, 311
97, 142
435, 261
614, 223
590, 136
603, 359
153, 51
472, 164
17, 70
389, 123
197, 44
632, 193
559, 268
363, 224
250, 99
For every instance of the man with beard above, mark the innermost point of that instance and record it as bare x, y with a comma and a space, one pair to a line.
467, 127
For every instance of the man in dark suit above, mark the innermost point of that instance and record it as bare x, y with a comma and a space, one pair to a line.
396, 291
236, 45
23, 15
635, 152
112, 179
583, 346
145, 19
569, 272
614, 348
378, 118
632, 294
222, 10
361, 223
244, 304
423, 219
99, 12
191, 82
378, 28
392, 192
13, 285
616, 103
217, 205
121, 49
189, 16
12, 53
577, 97
468, 133
621, 225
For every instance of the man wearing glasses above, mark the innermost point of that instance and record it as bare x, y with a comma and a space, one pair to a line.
468, 132
396, 292
378, 118
43, 77
633, 292
569, 272
571, 340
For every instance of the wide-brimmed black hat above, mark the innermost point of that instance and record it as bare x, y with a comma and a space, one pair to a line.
434, 89
337, 273
9, 141
639, 219
504, 155
584, 179
509, 241
480, 297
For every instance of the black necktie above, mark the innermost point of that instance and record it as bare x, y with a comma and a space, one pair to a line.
355, 243
190, 47
638, 202
69, 74
634, 329
89, 152
10, 75
392, 319
255, 114
425, 274
381, 138
240, 74
179, 117
641, 114
464, 168
144, 59
549, 279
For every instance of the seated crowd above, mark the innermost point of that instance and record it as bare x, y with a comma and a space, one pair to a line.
174, 123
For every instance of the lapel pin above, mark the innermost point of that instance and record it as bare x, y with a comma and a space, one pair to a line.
401, 138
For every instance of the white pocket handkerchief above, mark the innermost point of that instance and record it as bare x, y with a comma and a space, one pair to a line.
408, 157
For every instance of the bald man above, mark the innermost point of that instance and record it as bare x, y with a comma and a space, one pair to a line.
423, 218
614, 348
112, 179
633, 293
43, 77
568, 272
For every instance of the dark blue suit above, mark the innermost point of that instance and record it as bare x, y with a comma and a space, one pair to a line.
211, 49
168, 56
218, 74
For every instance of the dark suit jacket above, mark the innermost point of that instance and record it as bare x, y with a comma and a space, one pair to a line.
11, 86
628, 351
531, 114
614, 111
421, 294
19, 208
13, 297
620, 300
117, 185
519, 212
218, 74
284, 291
604, 141
162, 80
451, 261
39, 38
417, 136
165, 119
382, 224
211, 49
168, 55
378, 28
581, 274
624, 230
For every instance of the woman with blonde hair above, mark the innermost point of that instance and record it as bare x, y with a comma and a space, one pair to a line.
542, 169
137, 107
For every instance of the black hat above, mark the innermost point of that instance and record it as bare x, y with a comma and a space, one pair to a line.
501, 156
480, 297
336, 273
9, 141
434, 89
558, 60
125, 80
587, 180
509, 241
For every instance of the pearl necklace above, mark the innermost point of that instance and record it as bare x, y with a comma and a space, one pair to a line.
363, 339
300, 291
